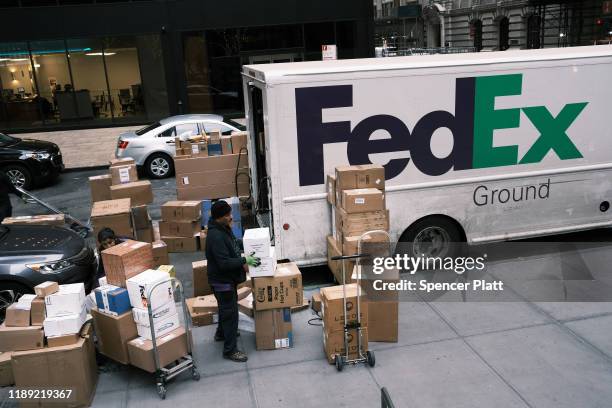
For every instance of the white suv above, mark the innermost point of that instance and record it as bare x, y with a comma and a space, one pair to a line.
152, 147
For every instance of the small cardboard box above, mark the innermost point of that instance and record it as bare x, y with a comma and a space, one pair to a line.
21, 338
226, 144
66, 340
126, 260
332, 307
363, 200
256, 242
46, 288
123, 174
100, 187
171, 347
246, 305
333, 343
113, 333
284, 289
181, 211
38, 312
273, 329
6, 370
165, 326
122, 161
239, 142
360, 176
114, 214
112, 300
139, 288
140, 192
160, 253
201, 286
267, 266
205, 304
383, 321
179, 228
18, 315
199, 319
65, 324
69, 299
182, 244
48, 219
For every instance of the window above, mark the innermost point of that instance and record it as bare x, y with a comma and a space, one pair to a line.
211, 127
148, 128
19, 102
170, 132
533, 31
504, 34
187, 130
476, 33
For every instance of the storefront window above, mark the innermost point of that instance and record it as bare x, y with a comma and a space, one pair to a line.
19, 102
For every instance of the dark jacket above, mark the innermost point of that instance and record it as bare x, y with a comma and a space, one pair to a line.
223, 255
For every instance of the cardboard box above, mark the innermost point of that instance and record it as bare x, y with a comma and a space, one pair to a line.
17, 315
273, 329
182, 244
226, 144
50, 219
284, 289
350, 245
160, 253
267, 266
181, 211
332, 307
205, 304
65, 324
145, 234
360, 176
383, 321
212, 191
126, 260
357, 223
256, 242
315, 302
141, 316
21, 338
113, 333
215, 149
112, 300
67, 367
363, 200
100, 187
164, 326
6, 370
46, 288
212, 178
123, 161
199, 319
239, 142
123, 174
114, 214
69, 299
243, 292
37, 312
246, 305
203, 241
215, 136
139, 288
140, 192
140, 216
200, 278
66, 340
333, 343
179, 228
331, 189
212, 163
171, 347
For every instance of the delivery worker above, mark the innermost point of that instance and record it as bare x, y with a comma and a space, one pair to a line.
107, 239
6, 188
226, 269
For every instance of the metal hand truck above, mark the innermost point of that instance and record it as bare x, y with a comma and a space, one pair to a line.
367, 357
164, 374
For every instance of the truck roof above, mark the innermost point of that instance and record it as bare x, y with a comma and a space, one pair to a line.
280, 72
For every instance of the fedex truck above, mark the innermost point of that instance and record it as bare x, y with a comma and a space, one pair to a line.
478, 147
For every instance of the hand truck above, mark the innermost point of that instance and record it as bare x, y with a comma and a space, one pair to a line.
164, 374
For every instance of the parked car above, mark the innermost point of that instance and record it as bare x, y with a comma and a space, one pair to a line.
152, 147
29, 162
32, 254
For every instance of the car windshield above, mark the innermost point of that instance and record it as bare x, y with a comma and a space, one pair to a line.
148, 128
6, 139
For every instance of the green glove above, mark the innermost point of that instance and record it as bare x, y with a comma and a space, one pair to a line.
252, 261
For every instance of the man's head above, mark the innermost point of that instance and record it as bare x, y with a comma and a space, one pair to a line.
221, 212
107, 238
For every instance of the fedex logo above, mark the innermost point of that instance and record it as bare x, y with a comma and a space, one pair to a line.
472, 125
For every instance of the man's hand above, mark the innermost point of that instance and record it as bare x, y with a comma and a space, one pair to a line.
253, 261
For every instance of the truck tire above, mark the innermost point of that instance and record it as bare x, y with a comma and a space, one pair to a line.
434, 236
159, 165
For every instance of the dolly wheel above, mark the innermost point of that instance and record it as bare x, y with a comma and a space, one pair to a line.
161, 391
371, 358
339, 362
195, 374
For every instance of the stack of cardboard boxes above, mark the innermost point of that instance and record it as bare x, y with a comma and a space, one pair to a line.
180, 227
214, 166
121, 182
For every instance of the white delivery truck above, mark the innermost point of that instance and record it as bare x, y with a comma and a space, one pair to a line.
479, 147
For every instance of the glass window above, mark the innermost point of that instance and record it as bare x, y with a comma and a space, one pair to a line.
211, 127
533, 31
197, 73
186, 130
476, 32
504, 34
148, 128
170, 132
345, 39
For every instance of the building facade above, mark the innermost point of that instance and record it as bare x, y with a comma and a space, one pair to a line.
68, 64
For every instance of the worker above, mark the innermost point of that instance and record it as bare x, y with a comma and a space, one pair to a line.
107, 239
226, 269
6, 188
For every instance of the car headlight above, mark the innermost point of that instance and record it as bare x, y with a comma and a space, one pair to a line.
36, 155
51, 267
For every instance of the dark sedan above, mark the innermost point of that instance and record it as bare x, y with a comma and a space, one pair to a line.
29, 162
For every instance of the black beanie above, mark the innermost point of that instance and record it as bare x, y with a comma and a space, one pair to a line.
105, 234
219, 209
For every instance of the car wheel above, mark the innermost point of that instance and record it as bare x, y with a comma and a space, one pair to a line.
10, 292
159, 166
19, 176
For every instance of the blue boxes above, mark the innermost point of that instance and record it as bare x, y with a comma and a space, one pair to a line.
112, 300
234, 202
214, 149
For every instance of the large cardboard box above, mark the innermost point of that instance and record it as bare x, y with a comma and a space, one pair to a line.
47, 219
100, 187
21, 338
333, 343
46, 288
360, 176
211, 163
179, 228
201, 287
65, 324
170, 347
332, 307
363, 200
69, 299
6, 370
383, 321
114, 214
67, 367
211, 178
181, 244
140, 192
199, 319
356, 224
350, 245
181, 211
284, 289
239, 142
160, 253
123, 174
212, 191
150, 287
18, 315
273, 329
113, 333
126, 260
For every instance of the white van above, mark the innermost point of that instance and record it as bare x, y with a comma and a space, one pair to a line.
476, 147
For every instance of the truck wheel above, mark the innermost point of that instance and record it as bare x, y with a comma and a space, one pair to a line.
19, 176
432, 236
159, 165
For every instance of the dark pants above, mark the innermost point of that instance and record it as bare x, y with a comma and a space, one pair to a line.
228, 318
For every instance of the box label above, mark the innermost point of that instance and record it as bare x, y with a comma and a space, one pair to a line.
360, 201
124, 175
185, 180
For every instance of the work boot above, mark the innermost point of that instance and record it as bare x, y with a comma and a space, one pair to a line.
237, 356
220, 337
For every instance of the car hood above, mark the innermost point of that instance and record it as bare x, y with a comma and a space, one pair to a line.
34, 145
38, 241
